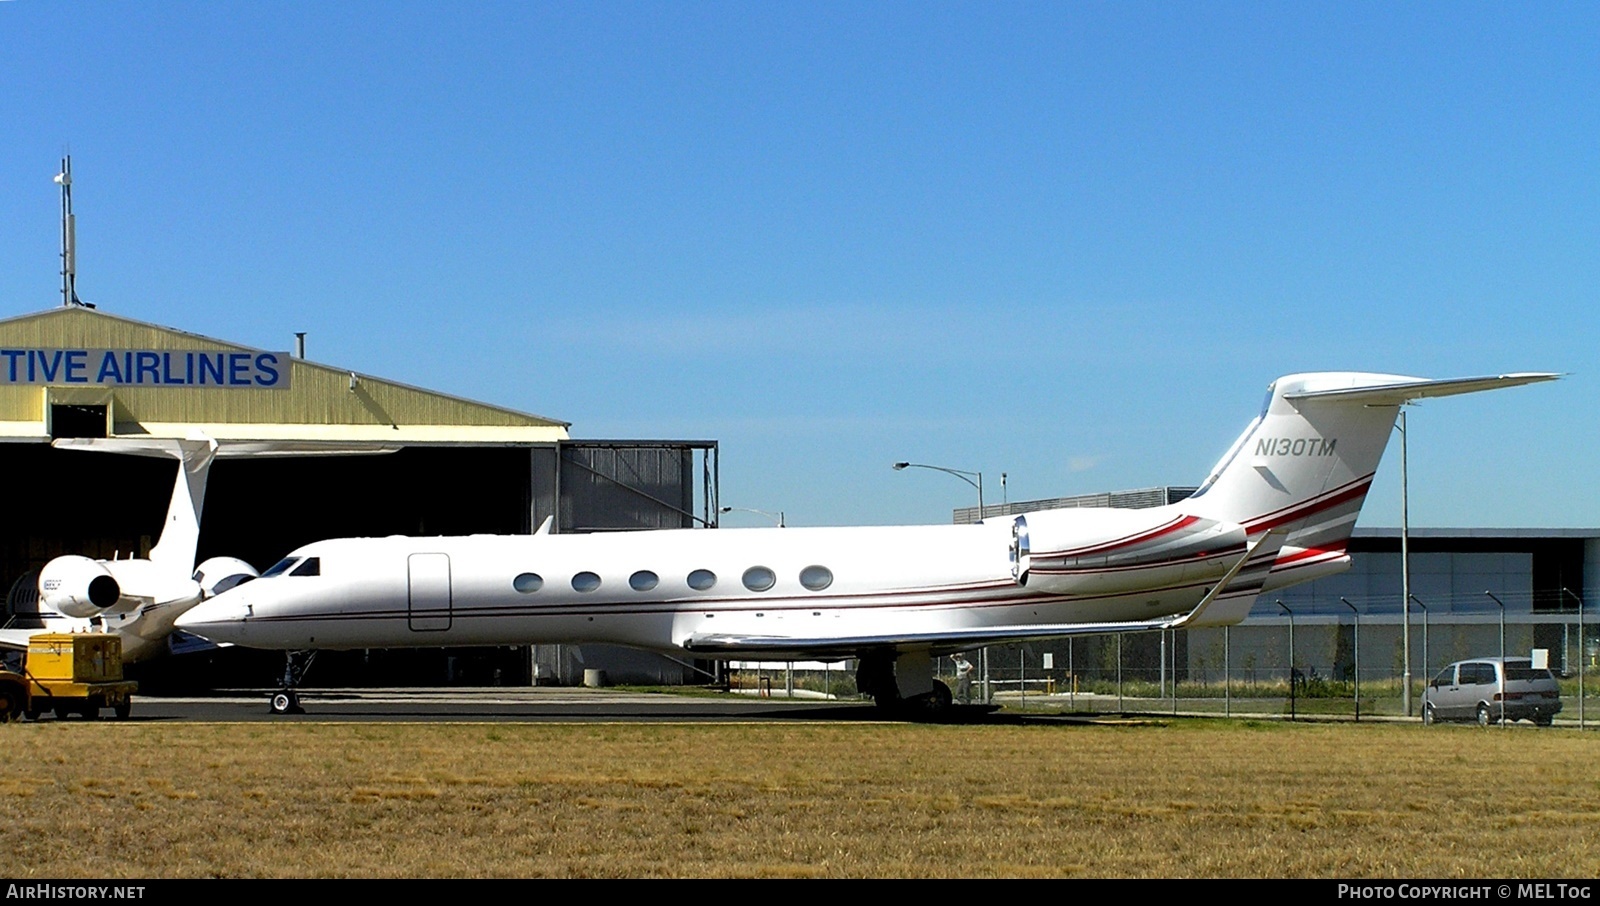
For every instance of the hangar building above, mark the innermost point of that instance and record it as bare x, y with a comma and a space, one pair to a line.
457, 467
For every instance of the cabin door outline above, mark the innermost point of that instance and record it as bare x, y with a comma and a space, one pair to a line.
428, 600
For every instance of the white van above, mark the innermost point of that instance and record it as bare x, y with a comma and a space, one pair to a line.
1473, 690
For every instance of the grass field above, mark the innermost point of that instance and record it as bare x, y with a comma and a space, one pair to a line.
1160, 798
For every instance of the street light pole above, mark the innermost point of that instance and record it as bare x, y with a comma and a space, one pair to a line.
1355, 656
1502, 696
1582, 656
1405, 575
973, 478
1427, 677
1286, 610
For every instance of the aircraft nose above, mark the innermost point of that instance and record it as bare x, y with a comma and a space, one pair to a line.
220, 618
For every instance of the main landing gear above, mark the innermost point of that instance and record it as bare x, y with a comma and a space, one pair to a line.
903, 686
287, 699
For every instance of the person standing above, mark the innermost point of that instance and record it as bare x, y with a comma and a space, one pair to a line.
963, 679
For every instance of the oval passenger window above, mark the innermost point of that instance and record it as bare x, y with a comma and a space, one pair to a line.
816, 578
759, 578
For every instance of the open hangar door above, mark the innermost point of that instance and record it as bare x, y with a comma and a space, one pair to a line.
73, 502
261, 509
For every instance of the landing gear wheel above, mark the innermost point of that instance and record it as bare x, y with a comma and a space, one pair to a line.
932, 705
1483, 715
287, 699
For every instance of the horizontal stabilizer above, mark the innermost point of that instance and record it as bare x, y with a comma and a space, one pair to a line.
173, 448
1404, 390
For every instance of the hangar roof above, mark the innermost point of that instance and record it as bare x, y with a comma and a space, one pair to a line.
153, 381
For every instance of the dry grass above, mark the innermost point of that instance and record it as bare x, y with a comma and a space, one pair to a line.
1182, 799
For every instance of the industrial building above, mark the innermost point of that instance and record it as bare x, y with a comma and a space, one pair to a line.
451, 466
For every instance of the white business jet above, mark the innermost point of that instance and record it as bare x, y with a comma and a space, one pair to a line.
1277, 509
136, 598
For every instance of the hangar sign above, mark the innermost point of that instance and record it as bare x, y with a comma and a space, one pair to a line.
227, 369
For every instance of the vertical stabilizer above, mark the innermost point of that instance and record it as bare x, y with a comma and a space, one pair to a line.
180, 534
1305, 464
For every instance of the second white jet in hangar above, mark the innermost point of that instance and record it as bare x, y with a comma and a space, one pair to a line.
1277, 509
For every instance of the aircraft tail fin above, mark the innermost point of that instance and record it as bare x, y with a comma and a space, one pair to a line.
180, 533
1305, 464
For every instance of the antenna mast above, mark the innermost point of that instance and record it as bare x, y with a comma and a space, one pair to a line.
69, 237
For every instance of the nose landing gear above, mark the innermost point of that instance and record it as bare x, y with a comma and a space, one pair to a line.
287, 699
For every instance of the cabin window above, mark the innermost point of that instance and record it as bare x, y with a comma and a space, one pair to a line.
702, 579
759, 578
585, 581
816, 578
528, 583
281, 567
311, 566
643, 580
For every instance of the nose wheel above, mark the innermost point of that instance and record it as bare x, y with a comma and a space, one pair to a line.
287, 699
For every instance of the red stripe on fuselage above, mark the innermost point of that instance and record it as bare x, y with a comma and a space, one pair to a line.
1182, 522
1355, 490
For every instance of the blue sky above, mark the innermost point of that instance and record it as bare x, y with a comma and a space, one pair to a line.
1071, 242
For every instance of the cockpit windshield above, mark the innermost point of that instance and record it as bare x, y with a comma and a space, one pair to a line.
281, 567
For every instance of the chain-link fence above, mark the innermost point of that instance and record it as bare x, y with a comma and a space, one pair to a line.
1287, 666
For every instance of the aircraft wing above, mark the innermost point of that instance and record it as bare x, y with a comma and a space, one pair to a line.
17, 639
1244, 577
180, 642
940, 642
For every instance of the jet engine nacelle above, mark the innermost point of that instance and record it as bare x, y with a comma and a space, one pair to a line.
77, 586
1096, 551
219, 574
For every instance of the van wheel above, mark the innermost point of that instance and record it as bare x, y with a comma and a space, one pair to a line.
1483, 715
1428, 717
